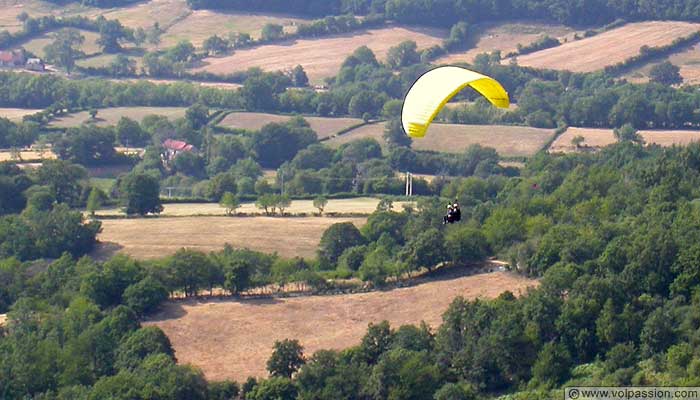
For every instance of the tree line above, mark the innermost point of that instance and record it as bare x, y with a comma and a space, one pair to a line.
369, 89
447, 13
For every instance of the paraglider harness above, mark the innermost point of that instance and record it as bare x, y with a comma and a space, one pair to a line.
453, 215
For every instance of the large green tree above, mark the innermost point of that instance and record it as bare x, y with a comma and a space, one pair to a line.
65, 48
277, 143
111, 33
286, 359
140, 194
64, 180
336, 239
665, 73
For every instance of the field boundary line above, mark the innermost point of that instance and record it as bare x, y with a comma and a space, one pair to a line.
557, 132
422, 277
349, 129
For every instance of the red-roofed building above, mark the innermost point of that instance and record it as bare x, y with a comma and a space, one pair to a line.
14, 58
174, 147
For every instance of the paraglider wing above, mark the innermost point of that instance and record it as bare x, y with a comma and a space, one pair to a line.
436, 87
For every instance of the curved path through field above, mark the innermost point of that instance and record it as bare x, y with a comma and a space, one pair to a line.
231, 339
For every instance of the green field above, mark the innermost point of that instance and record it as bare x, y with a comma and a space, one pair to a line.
104, 184
37, 45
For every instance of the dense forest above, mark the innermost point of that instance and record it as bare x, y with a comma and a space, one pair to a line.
449, 12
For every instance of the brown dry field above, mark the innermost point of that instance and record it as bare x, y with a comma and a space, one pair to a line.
147, 238
217, 85
28, 155
198, 25
16, 114
323, 126
593, 138
506, 37
671, 137
509, 141
608, 48
597, 138
360, 205
173, 16
144, 14
230, 339
111, 116
3, 318
687, 60
180, 22
321, 58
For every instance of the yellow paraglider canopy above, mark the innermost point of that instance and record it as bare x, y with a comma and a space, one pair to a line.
436, 87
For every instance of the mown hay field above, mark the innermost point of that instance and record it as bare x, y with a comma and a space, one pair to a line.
147, 238
598, 138
230, 339
593, 137
321, 58
144, 14
323, 126
360, 205
198, 25
27, 156
111, 116
16, 114
509, 141
506, 37
608, 48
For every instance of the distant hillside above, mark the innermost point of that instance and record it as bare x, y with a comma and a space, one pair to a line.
448, 12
